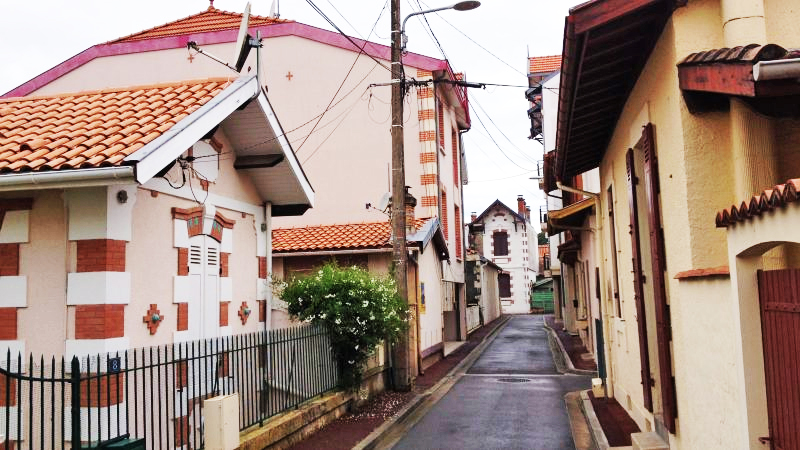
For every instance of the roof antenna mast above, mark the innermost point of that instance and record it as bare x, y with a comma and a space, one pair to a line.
244, 42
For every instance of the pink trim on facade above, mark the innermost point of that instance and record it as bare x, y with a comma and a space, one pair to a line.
217, 37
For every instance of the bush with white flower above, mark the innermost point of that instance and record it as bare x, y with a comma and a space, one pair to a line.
360, 310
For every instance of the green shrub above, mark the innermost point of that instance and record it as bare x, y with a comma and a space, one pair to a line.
359, 310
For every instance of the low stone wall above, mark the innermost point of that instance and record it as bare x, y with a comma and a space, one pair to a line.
287, 429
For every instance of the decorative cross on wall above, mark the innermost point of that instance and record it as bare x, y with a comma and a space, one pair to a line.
289, 76
191, 57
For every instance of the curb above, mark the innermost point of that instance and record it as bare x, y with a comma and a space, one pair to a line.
427, 398
570, 368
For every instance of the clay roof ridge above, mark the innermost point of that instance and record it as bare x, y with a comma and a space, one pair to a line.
210, 9
303, 227
771, 198
117, 89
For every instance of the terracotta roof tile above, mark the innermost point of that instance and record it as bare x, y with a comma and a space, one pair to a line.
544, 64
371, 235
211, 19
748, 53
88, 129
777, 197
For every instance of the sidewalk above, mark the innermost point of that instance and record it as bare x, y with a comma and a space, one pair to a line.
351, 429
572, 345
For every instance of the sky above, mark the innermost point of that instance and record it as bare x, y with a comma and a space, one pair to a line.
489, 44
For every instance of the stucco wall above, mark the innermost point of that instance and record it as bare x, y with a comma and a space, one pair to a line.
44, 259
431, 320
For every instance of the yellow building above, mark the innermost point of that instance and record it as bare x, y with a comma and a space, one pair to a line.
688, 108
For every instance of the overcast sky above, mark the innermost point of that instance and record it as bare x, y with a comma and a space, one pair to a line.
489, 44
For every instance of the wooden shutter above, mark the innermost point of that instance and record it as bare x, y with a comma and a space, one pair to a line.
663, 325
504, 283
638, 288
500, 243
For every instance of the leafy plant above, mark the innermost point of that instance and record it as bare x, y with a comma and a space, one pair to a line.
359, 310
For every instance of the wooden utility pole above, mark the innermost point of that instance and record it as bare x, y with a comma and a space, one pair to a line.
402, 351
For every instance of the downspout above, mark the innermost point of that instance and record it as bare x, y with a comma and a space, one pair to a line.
268, 223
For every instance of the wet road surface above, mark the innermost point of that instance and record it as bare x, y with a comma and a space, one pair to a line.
512, 398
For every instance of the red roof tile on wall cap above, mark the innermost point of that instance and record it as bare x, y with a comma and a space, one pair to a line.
211, 19
748, 53
777, 197
94, 128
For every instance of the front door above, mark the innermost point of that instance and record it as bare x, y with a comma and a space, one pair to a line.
779, 299
204, 272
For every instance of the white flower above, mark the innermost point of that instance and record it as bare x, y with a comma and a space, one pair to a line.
365, 304
323, 316
351, 362
319, 273
356, 347
371, 317
337, 321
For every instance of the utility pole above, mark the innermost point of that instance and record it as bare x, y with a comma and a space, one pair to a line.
402, 350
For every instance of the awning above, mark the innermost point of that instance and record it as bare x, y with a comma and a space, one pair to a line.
570, 217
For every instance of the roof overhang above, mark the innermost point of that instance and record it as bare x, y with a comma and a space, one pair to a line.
606, 45
243, 111
431, 232
764, 76
569, 218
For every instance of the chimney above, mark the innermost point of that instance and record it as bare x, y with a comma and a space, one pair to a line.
528, 213
521, 205
410, 203
473, 216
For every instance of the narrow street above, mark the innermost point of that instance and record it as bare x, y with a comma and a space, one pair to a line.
511, 397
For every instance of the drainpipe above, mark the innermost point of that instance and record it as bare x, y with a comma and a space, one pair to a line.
268, 222
777, 70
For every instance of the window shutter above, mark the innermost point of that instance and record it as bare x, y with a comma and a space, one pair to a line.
638, 288
504, 283
663, 325
500, 243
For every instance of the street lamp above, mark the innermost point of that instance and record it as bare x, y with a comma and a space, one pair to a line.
404, 353
460, 6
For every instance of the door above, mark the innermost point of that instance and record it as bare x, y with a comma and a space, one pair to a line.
779, 302
204, 272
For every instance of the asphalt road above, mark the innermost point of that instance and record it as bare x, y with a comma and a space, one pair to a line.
512, 397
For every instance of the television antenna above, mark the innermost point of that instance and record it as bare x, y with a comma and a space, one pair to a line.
244, 42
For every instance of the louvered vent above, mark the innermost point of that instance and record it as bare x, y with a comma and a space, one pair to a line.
195, 254
213, 257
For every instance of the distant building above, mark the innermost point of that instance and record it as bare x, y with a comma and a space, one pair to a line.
509, 240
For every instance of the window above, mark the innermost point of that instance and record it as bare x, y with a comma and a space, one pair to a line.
504, 282
500, 243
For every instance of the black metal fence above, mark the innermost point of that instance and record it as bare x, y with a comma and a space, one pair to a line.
157, 393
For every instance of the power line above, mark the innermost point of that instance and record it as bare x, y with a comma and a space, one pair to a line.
494, 141
501, 131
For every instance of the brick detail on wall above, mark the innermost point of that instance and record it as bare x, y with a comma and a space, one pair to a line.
223, 313
9, 260
262, 310
424, 92
262, 267
456, 158
428, 178
8, 324
426, 114
223, 264
427, 157
181, 431
101, 255
99, 321
183, 261
440, 110
8, 387
183, 316
428, 200
104, 391
427, 136
422, 73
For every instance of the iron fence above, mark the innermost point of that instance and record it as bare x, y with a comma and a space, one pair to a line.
157, 393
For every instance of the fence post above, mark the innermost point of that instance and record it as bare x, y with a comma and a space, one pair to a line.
75, 384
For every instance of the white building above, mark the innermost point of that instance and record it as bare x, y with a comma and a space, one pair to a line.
509, 240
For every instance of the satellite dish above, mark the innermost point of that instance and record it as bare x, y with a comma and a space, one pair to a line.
243, 40
384, 203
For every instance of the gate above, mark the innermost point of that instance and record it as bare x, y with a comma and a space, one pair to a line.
779, 299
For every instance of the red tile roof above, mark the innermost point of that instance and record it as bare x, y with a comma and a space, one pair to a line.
93, 129
544, 64
370, 235
211, 19
769, 199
